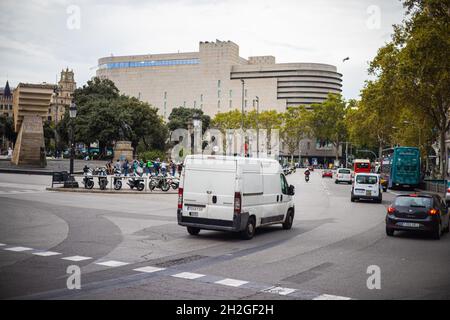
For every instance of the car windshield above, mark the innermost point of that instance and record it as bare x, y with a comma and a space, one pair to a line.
419, 202
362, 179
344, 171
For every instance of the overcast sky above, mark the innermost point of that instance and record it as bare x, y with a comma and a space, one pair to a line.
40, 37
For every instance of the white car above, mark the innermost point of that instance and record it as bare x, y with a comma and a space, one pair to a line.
233, 194
343, 175
367, 186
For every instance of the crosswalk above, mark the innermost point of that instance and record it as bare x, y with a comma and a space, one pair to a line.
188, 275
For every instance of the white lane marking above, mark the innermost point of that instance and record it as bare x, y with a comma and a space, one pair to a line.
18, 249
231, 282
330, 297
46, 253
149, 269
76, 258
2, 244
188, 275
112, 263
279, 290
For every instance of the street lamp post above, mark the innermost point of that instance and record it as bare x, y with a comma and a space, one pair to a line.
72, 115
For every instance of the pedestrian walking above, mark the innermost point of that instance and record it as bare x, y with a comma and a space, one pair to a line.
125, 168
164, 168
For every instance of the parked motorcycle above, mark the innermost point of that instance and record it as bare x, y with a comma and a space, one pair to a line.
136, 182
159, 182
117, 179
174, 182
88, 180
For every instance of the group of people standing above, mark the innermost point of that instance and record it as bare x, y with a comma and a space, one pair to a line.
141, 167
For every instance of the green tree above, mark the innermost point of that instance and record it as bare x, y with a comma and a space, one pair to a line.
327, 121
294, 128
420, 65
180, 117
7, 128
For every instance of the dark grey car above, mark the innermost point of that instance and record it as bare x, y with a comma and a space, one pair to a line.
418, 212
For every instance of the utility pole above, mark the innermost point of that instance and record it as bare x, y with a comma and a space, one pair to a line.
242, 120
257, 126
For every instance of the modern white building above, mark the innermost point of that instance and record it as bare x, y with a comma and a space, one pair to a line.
216, 79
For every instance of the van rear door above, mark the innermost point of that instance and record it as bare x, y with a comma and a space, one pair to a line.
209, 187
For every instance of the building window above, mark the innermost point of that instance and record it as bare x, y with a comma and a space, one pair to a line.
218, 104
201, 97
218, 83
245, 93
184, 104
201, 106
231, 104
218, 94
245, 104
231, 93
149, 63
195, 104
165, 94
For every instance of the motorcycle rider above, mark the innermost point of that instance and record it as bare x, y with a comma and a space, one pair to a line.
307, 174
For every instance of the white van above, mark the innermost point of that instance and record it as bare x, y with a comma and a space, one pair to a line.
367, 186
233, 194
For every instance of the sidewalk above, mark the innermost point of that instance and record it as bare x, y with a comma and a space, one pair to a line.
52, 165
109, 191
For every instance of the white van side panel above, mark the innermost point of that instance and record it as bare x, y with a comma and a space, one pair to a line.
252, 189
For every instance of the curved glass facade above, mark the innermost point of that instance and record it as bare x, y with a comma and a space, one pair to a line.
148, 63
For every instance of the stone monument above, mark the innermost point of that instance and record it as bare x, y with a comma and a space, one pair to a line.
122, 148
30, 108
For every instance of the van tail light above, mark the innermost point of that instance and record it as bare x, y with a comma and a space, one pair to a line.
237, 202
433, 212
391, 210
180, 198
448, 190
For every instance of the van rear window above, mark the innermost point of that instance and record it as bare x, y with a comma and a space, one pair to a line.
344, 171
361, 179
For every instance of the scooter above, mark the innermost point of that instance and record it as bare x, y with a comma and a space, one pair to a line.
136, 182
102, 178
88, 180
117, 179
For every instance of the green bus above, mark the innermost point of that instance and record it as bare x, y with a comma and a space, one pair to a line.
400, 168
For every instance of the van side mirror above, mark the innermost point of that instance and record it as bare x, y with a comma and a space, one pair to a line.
291, 190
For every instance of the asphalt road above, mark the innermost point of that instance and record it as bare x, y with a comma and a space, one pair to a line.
324, 256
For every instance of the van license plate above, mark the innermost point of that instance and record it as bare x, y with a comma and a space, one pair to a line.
194, 209
193, 214
369, 193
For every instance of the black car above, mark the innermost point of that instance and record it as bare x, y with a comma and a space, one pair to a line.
418, 212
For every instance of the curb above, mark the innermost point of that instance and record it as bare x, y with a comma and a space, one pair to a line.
31, 171
83, 190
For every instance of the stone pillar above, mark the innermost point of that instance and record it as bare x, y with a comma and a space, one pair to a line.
123, 151
30, 146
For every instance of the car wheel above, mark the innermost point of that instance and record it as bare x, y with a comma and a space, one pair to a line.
193, 231
390, 232
249, 231
437, 233
352, 198
287, 224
